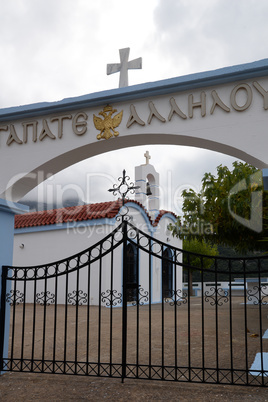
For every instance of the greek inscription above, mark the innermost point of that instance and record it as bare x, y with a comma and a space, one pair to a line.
218, 102
134, 117
13, 137
26, 126
241, 98
175, 109
154, 113
80, 127
4, 128
201, 104
246, 88
46, 132
60, 120
264, 93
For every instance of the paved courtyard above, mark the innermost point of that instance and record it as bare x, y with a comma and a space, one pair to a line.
17, 386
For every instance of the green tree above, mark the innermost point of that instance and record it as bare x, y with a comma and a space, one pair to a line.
228, 210
197, 247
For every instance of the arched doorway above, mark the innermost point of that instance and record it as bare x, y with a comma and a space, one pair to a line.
132, 273
167, 274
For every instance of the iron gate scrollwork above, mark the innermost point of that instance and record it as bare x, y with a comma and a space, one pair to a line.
76, 316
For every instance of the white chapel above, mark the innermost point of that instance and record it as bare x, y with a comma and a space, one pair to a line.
52, 235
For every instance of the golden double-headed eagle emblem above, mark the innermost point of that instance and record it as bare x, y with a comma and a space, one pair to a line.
108, 124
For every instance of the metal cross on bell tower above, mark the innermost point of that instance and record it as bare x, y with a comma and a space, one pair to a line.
123, 188
124, 66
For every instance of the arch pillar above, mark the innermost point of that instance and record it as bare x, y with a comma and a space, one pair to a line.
8, 210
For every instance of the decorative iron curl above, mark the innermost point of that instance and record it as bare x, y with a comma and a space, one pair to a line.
218, 296
14, 297
132, 233
123, 215
178, 297
111, 297
45, 298
257, 292
143, 297
77, 298
124, 188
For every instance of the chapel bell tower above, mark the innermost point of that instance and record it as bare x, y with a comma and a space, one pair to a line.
148, 179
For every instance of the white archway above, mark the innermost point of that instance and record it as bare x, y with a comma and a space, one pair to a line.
223, 110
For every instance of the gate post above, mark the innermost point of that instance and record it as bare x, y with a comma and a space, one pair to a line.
124, 293
8, 210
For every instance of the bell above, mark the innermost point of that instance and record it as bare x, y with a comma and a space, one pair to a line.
148, 190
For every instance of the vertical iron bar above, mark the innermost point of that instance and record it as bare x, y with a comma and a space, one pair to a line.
203, 323
189, 319
138, 312
76, 315
150, 309
111, 307
88, 310
66, 316
260, 320
13, 318
3, 315
99, 327
23, 320
174, 292
124, 313
55, 317
44, 321
34, 317
163, 320
217, 320
245, 316
231, 321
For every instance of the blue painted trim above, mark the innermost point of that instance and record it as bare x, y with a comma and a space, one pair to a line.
141, 180
143, 214
168, 215
157, 88
66, 225
11, 207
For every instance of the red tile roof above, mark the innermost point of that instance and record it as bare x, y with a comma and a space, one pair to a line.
162, 212
78, 213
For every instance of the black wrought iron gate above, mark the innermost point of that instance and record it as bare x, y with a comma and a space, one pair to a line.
119, 309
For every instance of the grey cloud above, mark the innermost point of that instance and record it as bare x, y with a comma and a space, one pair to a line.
208, 34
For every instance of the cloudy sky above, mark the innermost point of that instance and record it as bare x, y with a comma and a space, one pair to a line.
55, 49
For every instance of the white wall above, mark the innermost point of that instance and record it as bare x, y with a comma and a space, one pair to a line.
41, 247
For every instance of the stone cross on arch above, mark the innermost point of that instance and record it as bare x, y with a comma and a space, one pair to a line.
148, 157
124, 66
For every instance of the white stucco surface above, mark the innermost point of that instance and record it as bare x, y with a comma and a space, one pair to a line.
38, 246
225, 111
